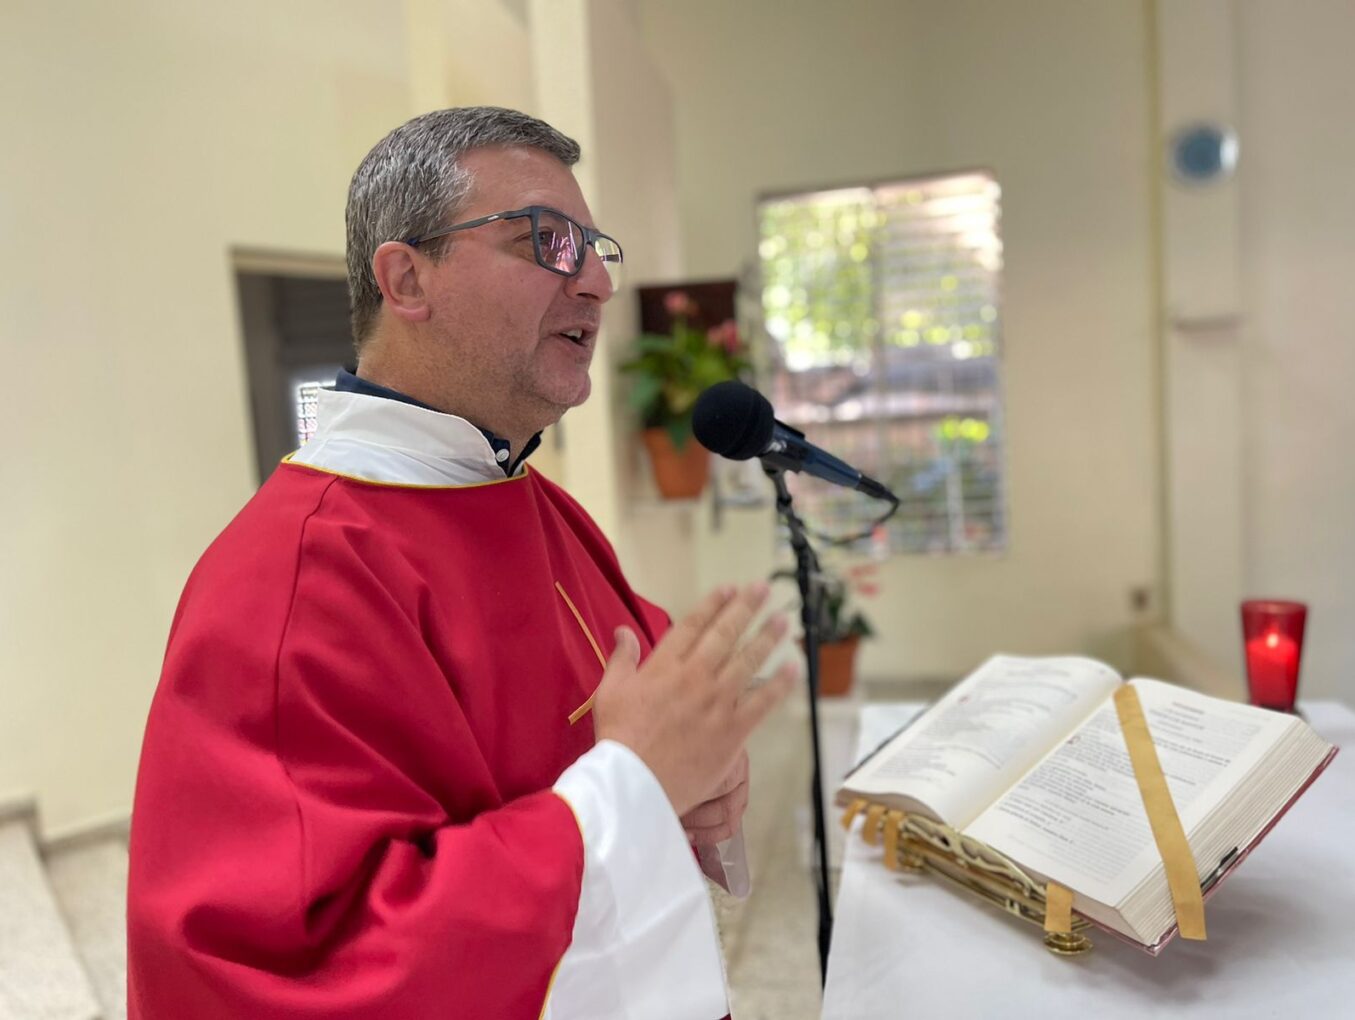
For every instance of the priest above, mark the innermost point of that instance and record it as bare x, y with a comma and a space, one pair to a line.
418, 749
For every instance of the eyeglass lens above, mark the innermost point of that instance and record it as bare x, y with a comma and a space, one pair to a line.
560, 246
559, 242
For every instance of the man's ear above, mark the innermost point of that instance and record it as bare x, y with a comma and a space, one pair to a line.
398, 268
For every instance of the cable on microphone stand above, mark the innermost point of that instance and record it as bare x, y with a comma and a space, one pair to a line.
839, 541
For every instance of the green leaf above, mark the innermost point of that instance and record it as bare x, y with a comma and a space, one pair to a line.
648, 343
680, 397
680, 431
645, 390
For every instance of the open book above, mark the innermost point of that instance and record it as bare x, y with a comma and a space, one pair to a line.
1026, 755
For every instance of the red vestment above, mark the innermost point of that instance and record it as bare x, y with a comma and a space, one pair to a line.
344, 804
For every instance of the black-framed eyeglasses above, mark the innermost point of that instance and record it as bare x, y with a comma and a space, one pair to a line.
558, 242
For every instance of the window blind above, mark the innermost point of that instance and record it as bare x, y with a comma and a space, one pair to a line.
883, 303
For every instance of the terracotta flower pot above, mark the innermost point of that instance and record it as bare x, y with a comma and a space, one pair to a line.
837, 666
679, 474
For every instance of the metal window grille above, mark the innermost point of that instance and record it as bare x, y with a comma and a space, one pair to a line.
883, 302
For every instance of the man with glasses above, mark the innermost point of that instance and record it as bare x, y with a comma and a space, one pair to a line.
418, 749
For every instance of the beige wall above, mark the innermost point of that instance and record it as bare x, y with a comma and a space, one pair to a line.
1055, 98
636, 174
1256, 315
1296, 86
149, 140
1201, 297
142, 143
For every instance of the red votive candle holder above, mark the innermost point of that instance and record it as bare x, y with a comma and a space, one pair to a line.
1272, 632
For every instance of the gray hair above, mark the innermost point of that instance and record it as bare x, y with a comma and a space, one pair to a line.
411, 183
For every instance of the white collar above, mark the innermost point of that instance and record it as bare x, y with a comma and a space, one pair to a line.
382, 440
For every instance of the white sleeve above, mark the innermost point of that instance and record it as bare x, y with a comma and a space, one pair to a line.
645, 945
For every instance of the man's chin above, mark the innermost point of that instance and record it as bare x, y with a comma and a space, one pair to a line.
585, 388
567, 392
559, 399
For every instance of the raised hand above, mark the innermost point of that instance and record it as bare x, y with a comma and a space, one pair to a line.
688, 711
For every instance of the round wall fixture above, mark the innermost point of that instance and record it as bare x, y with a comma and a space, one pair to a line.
1203, 153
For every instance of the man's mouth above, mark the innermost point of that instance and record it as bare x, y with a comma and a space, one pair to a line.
578, 337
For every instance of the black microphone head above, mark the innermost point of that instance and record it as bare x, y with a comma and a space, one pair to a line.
733, 420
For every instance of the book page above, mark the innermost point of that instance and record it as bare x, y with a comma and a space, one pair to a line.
1077, 817
985, 733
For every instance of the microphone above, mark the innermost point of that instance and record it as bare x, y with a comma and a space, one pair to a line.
736, 421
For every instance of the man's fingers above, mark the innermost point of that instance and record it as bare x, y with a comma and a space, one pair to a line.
686, 632
716, 819
750, 657
722, 634
710, 807
707, 815
712, 835
736, 777
756, 704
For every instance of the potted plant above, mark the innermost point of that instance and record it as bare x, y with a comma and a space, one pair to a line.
841, 626
668, 373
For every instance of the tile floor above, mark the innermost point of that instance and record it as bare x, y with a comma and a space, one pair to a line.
770, 937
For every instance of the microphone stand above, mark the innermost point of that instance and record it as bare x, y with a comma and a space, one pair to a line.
806, 571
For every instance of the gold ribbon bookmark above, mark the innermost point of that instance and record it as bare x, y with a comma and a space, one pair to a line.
1182, 875
893, 830
853, 809
870, 832
1058, 910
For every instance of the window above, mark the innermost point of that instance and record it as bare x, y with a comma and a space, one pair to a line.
883, 302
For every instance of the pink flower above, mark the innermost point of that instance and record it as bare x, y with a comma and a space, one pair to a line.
678, 303
725, 335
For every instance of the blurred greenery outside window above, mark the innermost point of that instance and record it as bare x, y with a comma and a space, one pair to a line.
883, 305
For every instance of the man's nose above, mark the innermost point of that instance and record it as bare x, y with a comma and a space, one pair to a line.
592, 280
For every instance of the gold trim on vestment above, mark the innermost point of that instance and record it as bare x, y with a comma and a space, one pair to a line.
401, 485
587, 706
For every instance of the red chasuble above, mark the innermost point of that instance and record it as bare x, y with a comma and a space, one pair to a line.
344, 805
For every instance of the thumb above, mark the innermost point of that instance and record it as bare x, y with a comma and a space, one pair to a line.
626, 654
